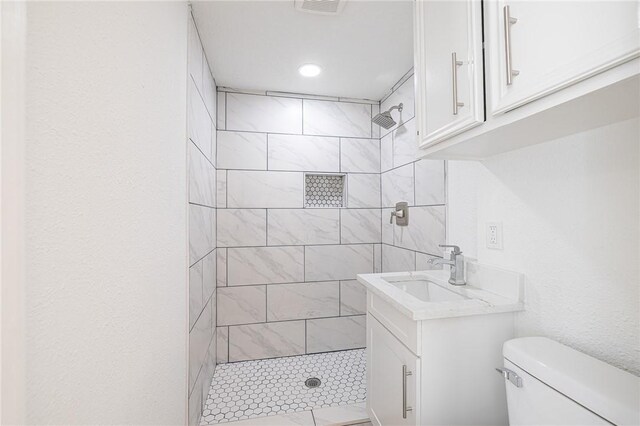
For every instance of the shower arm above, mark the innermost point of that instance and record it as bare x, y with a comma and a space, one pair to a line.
398, 107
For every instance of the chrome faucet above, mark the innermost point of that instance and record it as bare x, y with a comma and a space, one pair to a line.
456, 262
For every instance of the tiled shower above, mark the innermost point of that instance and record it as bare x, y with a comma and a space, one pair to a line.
290, 199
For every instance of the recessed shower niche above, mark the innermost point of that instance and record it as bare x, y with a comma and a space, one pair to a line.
325, 190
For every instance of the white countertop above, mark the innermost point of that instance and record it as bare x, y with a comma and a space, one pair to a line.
489, 290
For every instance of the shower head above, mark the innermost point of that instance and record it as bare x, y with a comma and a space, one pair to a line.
384, 119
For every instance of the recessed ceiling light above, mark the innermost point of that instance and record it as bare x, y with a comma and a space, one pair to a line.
309, 70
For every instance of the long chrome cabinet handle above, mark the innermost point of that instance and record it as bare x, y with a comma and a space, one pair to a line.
455, 63
508, 21
405, 374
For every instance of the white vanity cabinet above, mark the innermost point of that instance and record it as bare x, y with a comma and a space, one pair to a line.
432, 348
450, 87
539, 47
439, 371
393, 386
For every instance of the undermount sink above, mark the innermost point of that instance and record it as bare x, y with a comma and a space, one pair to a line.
424, 290
423, 295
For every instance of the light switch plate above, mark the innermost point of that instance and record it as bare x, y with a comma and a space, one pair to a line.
494, 235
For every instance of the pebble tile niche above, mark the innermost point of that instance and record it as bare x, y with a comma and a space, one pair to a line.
322, 190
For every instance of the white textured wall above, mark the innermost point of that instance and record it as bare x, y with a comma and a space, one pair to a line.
571, 213
106, 221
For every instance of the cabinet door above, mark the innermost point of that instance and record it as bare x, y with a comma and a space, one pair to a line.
449, 64
392, 378
539, 47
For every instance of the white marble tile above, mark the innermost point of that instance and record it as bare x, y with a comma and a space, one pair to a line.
351, 414
302, 300
430, 182
211, 306
266, 340
195, 55
263, 113
265, 265
405, 144
334, 334
195, 408
363, 190
360, 226
222, 344
386, 153
214, 145
195, 293
375, 129
201, 178
304, 153
377, 258
221, 122
360, 155
425, 232
199, 339
221, 189
387, 227
242, 227
242, 150
397, 185
208, 369
396, 259
302, 418
209, 92
209, 274
202, 234
221, 261
303, 226
198, 121
324, 118
213, 346
422, 262
343, 262
353, 298
404, 94
242, 305
254, 189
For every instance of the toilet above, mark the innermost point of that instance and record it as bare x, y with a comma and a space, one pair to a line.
549, 383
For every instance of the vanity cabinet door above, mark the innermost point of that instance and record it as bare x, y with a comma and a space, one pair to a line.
449, 68
392, 378
539, 47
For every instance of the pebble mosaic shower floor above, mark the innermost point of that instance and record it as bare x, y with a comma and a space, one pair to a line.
250, 389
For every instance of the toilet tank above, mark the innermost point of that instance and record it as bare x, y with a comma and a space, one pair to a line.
549, 383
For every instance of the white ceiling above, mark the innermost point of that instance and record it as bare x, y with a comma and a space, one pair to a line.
259, 45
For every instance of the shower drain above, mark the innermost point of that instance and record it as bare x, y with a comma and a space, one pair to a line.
312, 382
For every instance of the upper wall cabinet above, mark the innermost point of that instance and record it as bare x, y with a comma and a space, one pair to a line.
538, 47
546, 69
448, 41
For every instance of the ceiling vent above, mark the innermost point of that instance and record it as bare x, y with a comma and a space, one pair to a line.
320, 7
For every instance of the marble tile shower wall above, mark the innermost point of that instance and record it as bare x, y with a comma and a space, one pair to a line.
201, 146
286, 273
421, 183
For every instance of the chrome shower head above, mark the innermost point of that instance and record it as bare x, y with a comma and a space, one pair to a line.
384, 119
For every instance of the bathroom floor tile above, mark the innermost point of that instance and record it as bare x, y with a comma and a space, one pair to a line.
252, 389
346, 414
